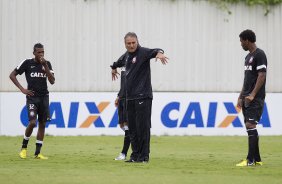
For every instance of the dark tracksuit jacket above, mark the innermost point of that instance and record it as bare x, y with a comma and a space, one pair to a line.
139, 98
138, 72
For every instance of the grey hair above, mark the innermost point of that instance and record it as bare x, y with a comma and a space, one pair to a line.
130, 34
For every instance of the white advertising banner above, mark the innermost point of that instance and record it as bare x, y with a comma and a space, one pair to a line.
172, 114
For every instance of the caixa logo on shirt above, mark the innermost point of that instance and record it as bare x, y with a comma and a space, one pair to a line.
38, 74
193, 116
91, 118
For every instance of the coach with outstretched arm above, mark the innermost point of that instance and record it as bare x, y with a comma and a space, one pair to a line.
139, 94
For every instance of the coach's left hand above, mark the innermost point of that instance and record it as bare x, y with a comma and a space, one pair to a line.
162, 57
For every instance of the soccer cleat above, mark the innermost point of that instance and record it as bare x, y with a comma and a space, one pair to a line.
259, 163
40, 156
121, 157
130, 160
245, 163
23, 153
251, 163
145, 160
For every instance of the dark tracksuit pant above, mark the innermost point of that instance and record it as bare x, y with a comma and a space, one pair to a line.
139, 124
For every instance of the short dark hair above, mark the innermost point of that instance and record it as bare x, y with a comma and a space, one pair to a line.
248, 35
37, 45
131, 34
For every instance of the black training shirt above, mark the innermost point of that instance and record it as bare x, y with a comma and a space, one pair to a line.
254, 63
35, 75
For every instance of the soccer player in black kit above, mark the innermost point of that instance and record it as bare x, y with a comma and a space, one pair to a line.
120, 103
36, 70
251, 98
138, 94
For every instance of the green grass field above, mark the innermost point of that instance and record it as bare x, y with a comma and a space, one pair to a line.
188, 159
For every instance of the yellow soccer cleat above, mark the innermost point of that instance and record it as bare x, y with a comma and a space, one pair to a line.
23, 153
40, 156
245, 163
259, 163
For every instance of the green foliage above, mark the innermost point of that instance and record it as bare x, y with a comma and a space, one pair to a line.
255, 2
266, 4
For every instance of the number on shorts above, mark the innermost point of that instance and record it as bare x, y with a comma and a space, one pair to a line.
31, 106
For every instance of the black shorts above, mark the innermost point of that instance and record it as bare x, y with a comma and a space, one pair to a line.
38, 106
252, 112
122, 114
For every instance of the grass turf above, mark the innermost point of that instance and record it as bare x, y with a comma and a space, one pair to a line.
177, 159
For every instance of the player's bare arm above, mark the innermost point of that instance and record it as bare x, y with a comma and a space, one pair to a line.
162, 58
240, 99
259, 83
51, 77
13, 77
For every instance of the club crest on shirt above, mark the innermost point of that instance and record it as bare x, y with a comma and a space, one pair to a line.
43, 68
134, 60
251, 59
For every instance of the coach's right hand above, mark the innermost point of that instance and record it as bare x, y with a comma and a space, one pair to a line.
114, 74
